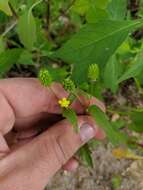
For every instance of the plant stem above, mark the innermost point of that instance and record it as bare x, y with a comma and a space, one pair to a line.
9, 29
13, 11
48, 19
65, 11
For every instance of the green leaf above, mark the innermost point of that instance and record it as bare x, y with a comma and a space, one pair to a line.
27, 29
8, 58
115, 137
110, 75
94, 43
16, 3
134, 70
92, 144
137, 121
118, 9
2, 45
95, 14
71, 116
81, 6
116, 181
102, 4
85, 155
26, 58
118, 124
58, 74
5, 7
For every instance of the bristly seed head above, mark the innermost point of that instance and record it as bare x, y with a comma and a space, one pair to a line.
93, 72
45, 77
69, 85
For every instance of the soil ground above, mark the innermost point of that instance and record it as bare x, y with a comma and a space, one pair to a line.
100, 177
106, 166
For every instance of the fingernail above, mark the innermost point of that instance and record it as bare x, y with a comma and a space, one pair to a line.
87, 132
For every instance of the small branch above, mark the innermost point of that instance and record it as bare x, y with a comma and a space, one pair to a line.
13, 11
13, 24
9, 29
48, 14
69, 6
66, 10
48, 20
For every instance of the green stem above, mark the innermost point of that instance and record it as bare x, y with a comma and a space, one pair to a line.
9, 29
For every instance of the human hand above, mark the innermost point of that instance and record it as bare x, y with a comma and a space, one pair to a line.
29, 160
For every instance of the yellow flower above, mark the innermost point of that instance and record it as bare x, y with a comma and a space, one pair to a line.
121, 153
64, 103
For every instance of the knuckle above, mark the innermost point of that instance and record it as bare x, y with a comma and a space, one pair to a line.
7, 116
62, 152
54, 148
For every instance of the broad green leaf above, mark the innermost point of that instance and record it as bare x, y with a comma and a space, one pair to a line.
71, 116
118, 124
85, 155
115, 137
135, 69
4, 6
94, 43
97, 11
58, 74
8, 58
117, 9
95, 14
137, 121
111, 74
102, 4
81, 6
26, 58
27, 29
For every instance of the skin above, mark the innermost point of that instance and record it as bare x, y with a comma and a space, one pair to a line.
35, 141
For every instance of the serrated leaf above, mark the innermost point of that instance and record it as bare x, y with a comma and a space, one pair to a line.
94, 43
102, 120
85, 156
8, 58
4, 6
71, 116
134, 70
27, 29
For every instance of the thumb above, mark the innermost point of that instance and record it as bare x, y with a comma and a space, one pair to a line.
45, 155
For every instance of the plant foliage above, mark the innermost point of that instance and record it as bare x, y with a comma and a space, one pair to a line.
91, 45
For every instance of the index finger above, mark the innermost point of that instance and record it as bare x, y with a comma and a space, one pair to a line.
28, 97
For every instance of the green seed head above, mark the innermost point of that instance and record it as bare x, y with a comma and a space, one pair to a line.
93, 72
69, 85
45, 77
